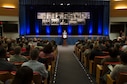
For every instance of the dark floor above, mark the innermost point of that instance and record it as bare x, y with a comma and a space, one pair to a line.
69, 70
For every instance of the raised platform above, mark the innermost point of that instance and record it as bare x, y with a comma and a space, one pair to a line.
70, 40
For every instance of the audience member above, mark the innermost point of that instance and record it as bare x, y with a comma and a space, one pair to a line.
4, 64
120, 67
113, 53
27, 52
95, 52
17, 57
24, 75
35, 65
46, 55
87, 52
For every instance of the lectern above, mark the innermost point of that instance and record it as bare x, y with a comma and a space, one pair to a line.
64, 37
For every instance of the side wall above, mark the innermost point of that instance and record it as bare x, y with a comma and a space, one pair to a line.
13, 20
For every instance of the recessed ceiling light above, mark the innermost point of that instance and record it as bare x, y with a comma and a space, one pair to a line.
8, 6
121, 7
118, 0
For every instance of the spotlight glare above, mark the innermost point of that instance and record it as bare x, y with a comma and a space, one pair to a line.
68, 4
61, 4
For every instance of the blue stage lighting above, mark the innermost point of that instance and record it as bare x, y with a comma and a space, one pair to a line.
99, 29
99, 25
106, 32
69, 29
36, 27
21, 31
47, 29
80, 29
28, 30
90, 27
59, 30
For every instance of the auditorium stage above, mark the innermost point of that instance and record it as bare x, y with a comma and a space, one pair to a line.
70, 40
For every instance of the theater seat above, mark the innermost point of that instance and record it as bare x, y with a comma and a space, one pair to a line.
103, 69
93, 63
37, 78
122, 79
5, 75
18, 64
110, 80
99, 69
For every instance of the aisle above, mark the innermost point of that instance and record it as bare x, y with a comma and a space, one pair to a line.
69, 70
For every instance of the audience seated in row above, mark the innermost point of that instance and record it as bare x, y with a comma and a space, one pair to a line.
113, 56
4, 64
35, 65
24, 75
96, 52
46, 55
120, 67
17, 57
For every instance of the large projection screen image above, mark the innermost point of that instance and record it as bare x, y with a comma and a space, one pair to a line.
63, 18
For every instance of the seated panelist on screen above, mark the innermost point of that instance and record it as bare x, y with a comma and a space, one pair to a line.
64, 34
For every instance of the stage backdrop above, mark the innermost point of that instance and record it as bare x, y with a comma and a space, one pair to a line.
49, 18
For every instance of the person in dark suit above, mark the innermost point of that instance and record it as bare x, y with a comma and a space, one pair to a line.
4, 64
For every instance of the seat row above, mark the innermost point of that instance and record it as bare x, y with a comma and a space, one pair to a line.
95, 68
5, 75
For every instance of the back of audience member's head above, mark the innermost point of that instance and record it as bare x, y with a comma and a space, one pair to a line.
2, 52
17, 50
34, 54
117, 46
27, 48
91, 46
123, 57
48, 49
113, 52
24, 75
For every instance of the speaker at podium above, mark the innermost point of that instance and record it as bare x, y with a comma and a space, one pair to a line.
64, 37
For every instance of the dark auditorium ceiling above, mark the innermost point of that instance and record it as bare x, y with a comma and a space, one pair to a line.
113, 4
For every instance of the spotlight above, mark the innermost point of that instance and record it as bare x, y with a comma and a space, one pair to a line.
61, 4
54, 4
68, 4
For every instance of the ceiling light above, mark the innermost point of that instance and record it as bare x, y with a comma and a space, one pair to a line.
8, 6
68, 4
121, 7
118, 0
61, 4
53, 3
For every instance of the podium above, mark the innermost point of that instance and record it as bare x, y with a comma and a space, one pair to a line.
64, 37
64, 42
